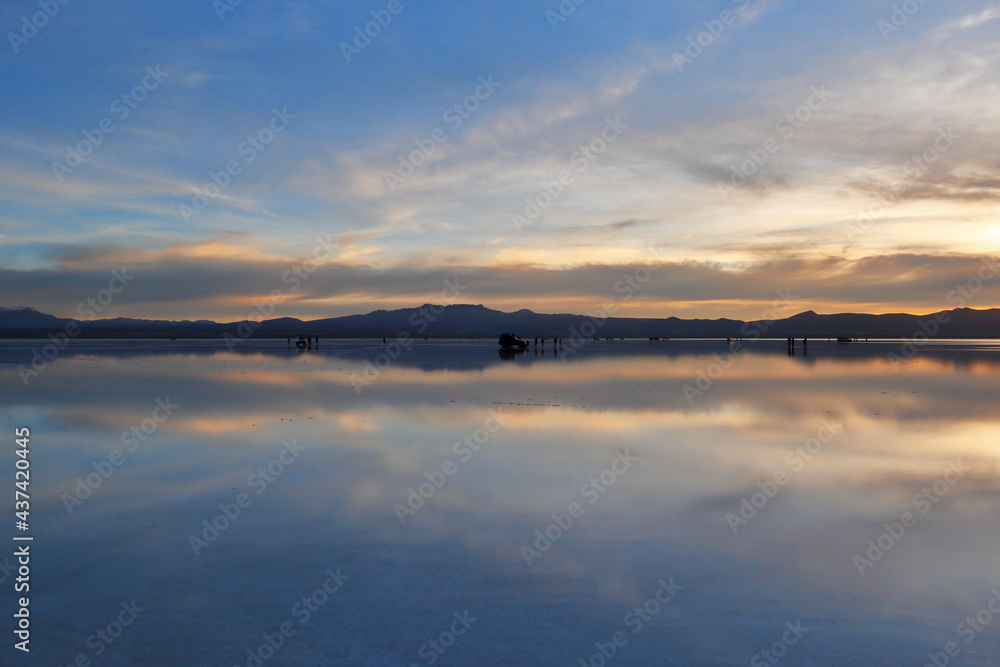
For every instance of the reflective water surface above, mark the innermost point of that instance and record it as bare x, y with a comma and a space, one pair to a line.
629, 503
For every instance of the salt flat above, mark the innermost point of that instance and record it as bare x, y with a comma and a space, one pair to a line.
627, 502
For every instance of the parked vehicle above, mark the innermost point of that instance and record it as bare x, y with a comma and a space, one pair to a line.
509, 340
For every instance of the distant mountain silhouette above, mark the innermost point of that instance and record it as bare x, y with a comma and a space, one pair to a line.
27, 318
464, 320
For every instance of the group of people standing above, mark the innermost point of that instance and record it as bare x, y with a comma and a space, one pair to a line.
305, 342
555, 341
791, 346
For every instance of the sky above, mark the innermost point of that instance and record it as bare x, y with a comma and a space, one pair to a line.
313, 159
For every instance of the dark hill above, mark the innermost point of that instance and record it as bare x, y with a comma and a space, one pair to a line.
466, 320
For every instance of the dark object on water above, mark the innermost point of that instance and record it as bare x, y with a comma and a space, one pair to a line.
845, 339
509, 340
301, 342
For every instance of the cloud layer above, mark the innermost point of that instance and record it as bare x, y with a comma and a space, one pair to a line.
753, 145
229, 280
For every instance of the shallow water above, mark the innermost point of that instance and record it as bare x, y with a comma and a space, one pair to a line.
730, 497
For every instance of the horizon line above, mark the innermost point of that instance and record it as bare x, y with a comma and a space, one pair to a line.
416, 309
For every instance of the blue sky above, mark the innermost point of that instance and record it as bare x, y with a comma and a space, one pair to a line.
835, 209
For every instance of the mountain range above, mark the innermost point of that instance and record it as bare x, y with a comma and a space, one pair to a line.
463, 320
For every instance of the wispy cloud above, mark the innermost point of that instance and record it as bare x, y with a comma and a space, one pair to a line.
987, 15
